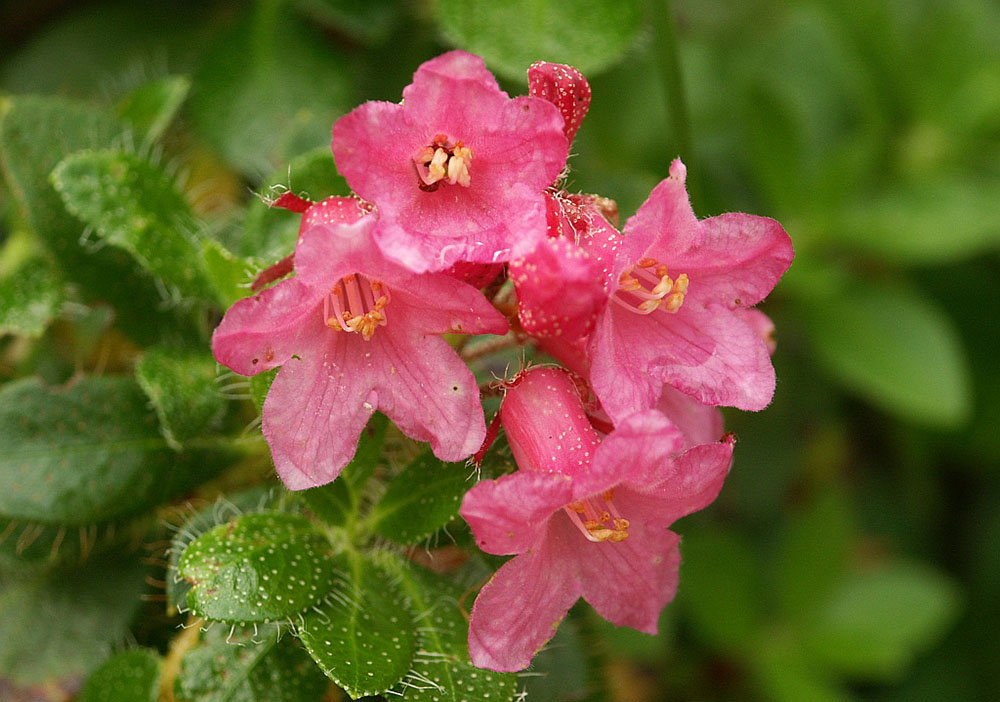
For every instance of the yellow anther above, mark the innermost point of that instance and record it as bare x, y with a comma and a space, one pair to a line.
647, 262
605, 517
647, 306
681, 284
661, 270
673, 302
424, 155
621, 524
663, 286
608, 495
577, 507
436, 169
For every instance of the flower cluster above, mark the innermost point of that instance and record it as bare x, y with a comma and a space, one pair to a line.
460, 188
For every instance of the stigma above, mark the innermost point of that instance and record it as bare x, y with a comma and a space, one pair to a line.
442, 161
647, 287
356, 304
597, 518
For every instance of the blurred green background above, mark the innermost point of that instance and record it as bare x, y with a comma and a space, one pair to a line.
853, 553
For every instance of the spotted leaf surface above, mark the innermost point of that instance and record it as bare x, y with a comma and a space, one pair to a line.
239, 667
257, 568
362, 636
90, 452
131, 676
442, 671
133, 205
182, 389
30, 298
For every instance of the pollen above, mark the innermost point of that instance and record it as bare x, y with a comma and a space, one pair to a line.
597, 518
443, 161
647, 287
356, 304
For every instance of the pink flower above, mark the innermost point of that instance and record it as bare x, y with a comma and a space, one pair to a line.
354, 333
563, 285
457, 170
678, 315
585, 518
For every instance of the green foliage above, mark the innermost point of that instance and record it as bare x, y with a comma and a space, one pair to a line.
257, 568
30, 297
285, 84
269, 234
339, 502
590, 34
180, 386
424, 497
64, 622
725, 606
239, 667
893, 347
131, 676
150, 107
876, 622
362, 635
442, 671
36, 133
133, 205
88, 453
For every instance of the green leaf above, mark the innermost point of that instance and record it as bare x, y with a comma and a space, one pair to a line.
877, 622
259, 386
88, 453
131, 676
724, 603
229, 275
938, 221
30, 297
191, 526
269, 234
134, 205
588, 34
362, 636
786, 673
814, 554
35, 134
182, 387
257, 568
443, 672
64, 622
893, 347
339, 502
234, 667
151, 107
424, 497
286, 82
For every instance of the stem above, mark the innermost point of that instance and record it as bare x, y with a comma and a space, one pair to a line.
668, 58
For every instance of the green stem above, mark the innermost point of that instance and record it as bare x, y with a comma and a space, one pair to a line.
668, 58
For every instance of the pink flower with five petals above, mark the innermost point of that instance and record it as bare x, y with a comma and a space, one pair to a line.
354, 333
457, 169
678, 315
584, 518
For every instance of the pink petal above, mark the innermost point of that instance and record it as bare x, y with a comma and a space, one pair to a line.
509, 515
737, 259
424, 388
444, 305
521, 607
546, 425
560, 289
665, 218
332, 210
708, 353
457, 65
699, 423
563, 86
261, 332
629, 582
689, 483
639, 450
316, 409
762, 324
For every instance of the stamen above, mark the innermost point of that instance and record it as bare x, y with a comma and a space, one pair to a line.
601, 519
357, 304
442, 161
646, 287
